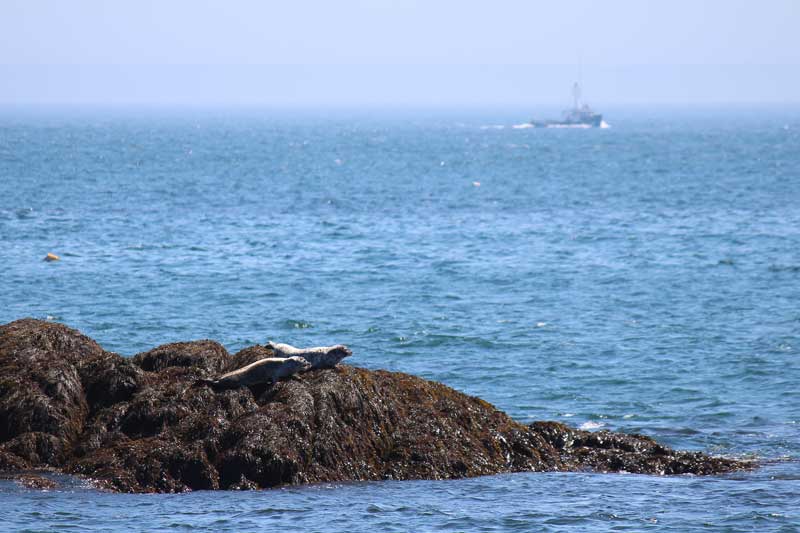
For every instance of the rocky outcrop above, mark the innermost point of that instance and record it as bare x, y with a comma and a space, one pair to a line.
141, 424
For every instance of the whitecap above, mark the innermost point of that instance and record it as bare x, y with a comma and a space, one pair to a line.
522, 126
590, 425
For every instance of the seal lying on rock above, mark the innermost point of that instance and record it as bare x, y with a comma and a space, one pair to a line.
320, 357
268, 370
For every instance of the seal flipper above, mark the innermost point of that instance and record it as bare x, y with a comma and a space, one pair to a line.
214, 384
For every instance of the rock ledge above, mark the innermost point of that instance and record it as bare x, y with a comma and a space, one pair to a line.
139, 425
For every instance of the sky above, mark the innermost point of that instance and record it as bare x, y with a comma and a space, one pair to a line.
398, 52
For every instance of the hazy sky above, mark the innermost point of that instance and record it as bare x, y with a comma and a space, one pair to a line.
393, 52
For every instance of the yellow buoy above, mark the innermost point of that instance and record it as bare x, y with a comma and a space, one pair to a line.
51, 257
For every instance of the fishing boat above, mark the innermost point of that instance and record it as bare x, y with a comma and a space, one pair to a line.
579, 116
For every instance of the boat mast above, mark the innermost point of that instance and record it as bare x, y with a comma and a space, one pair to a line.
576, 88
576, 95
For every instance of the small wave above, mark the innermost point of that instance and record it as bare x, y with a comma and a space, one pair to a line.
493, 127
784, 268
272, 511
24, 213
586, 426
297, 324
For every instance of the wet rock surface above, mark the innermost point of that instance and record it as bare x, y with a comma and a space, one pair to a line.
142, 424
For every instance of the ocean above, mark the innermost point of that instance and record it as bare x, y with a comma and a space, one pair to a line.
641, 278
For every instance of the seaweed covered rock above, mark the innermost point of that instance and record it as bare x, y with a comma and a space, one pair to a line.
605, 451
147, 424
206, 355
41, 392
249, 355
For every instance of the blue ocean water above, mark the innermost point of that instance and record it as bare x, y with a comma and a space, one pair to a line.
643, 278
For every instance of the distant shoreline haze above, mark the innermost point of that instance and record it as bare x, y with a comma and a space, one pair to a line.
395, 86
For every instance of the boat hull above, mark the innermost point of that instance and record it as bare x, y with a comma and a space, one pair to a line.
595, 120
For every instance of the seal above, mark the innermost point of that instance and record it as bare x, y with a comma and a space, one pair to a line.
267, 370
319, 357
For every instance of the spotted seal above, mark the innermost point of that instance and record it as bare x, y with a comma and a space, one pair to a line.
319, 357
267, 370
